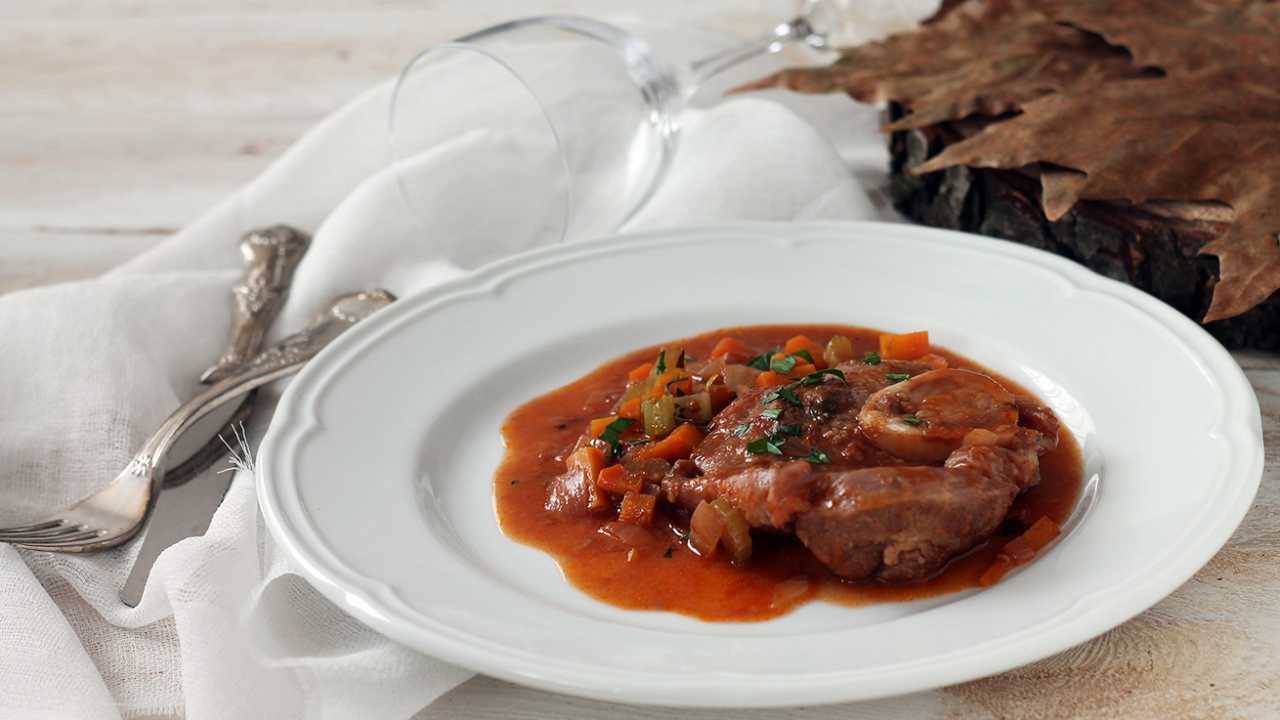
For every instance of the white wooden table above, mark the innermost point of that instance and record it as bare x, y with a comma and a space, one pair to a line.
122, 120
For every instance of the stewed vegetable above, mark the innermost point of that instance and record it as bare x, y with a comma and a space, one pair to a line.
663, 413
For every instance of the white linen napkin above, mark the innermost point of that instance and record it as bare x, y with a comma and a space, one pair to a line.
225, 628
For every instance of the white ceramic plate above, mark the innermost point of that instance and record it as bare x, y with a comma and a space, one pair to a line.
376, 475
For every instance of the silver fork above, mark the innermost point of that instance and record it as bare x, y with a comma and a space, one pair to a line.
115, 513
271, 255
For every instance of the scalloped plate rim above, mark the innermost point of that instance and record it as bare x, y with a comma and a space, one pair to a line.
378, 606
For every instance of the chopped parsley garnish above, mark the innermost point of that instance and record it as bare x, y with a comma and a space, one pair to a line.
667, 554
772, 413
742, 429
912, 420
764, 445
784, 393
803, 355
761, 362
783, 365
613, 432
872, 358
898, 377
817, 377
818, 457
792, 430
662, 360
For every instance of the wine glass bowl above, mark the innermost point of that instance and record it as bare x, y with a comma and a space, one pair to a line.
563, 125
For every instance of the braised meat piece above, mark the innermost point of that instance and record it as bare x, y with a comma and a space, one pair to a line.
843, 465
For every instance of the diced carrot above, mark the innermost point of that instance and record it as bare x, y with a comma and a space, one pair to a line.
589, 460
599, 424
907, 346
721, 396
618, 480
637, 509
679, 444
1020, 550
769, 378
800, 342
675, 379
731, 349
1025, 546
640, 372
802, 369
630, 409
933, 360
994, 574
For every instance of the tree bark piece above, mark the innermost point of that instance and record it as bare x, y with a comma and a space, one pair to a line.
1154, 246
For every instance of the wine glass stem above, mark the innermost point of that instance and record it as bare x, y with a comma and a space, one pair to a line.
793, 31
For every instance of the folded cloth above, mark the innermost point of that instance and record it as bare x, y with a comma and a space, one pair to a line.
225, 628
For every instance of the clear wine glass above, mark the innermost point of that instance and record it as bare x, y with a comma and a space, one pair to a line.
548, 129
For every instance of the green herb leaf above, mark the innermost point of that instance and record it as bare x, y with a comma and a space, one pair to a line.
662, 360
872, 358
912, 420
784, 365
762, 446
772, 413
817, 377
761, 362
792, 430
818, 457
742, 430
898, 377
804, 355
786, 392
612, 433
667, 554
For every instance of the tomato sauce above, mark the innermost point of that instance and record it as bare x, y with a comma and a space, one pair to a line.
654, 570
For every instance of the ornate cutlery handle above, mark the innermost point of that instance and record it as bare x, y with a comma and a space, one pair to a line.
271, 255
280, 360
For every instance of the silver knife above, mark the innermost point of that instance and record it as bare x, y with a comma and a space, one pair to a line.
271, 256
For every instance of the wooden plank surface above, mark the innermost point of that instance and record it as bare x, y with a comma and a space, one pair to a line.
122, 120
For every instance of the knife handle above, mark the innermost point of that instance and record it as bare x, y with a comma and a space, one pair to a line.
271, 256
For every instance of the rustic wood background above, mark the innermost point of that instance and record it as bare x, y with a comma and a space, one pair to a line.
122, 120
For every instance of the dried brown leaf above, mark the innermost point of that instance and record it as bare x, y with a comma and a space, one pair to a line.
986, 57
1211, 136
1182, 36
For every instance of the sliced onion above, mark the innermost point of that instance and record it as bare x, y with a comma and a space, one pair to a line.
737, 534
629, 535
706, 526
695, 408
789, 591
735, 376
839, 348
705, 372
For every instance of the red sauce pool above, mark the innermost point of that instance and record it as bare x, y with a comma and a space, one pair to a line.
662, 574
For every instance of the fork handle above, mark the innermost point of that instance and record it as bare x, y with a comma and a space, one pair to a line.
280, 360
